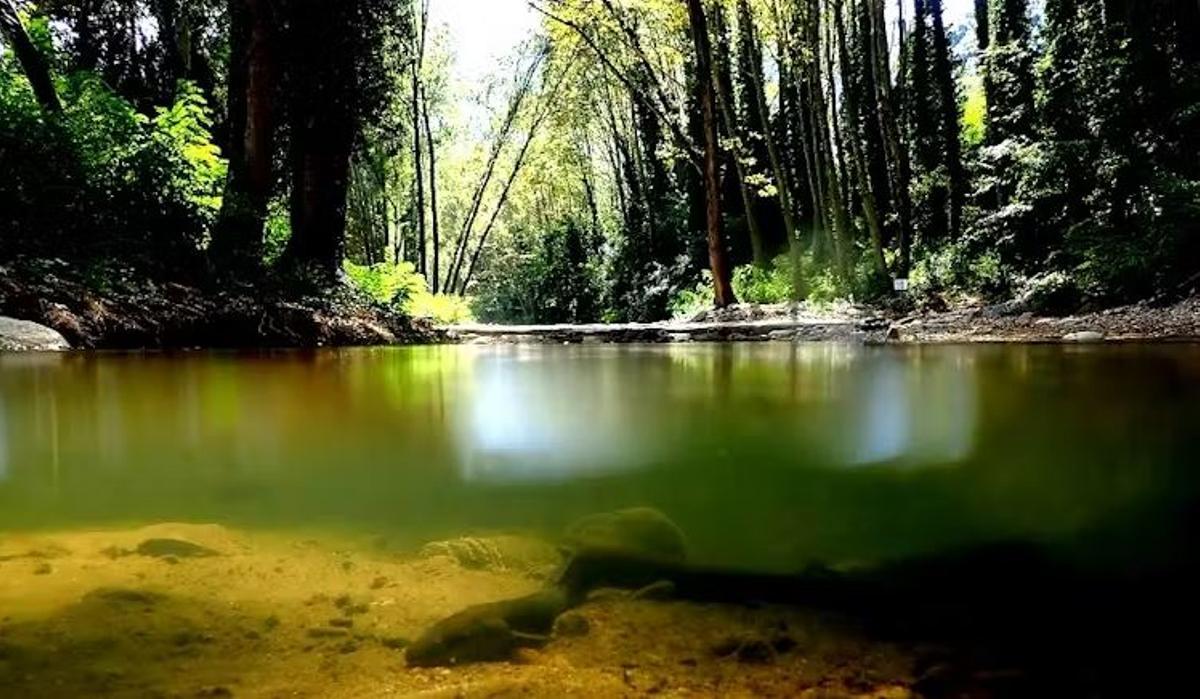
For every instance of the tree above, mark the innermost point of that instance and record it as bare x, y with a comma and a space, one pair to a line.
717, 253
253, 72
33, 62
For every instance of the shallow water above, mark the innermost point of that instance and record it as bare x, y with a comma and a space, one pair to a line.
767, 456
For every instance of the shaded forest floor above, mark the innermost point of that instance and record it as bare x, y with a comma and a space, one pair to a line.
122, 309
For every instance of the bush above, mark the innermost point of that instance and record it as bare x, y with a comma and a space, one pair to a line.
543, 277
399, 287
102, 180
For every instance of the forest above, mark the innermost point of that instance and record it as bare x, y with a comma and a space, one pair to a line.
633, 160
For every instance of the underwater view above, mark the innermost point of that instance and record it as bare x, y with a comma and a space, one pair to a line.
722, 520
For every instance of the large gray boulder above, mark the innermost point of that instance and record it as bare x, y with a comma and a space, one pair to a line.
24, 336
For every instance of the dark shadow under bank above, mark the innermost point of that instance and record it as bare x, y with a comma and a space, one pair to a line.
1107, 614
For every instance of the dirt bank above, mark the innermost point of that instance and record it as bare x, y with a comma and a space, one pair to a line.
131, 311
851, 323
240, 614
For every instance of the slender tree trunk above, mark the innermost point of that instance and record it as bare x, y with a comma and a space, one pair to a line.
462, 244
857, 150
419, 172
435, 219
418, 152
725, 100
717, 255
33, 63
238, 236
783, 184
956, 184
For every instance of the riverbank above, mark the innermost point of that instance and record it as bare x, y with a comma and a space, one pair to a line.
178, 610
124, 310
871, 325
136, 312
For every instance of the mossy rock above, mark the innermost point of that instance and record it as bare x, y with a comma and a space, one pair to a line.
641, 531
530, 557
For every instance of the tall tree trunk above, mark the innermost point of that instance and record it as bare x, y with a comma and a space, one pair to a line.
323, 130
956, 184
783, 184
238, 237
418, 152
33, 63
717, 255
419, 173
435, 219
724, 94
858, 158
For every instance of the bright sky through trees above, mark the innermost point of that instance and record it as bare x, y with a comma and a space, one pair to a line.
482, 32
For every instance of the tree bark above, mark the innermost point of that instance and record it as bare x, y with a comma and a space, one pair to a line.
435, 220
323, 130
724, 95
33, 63
717, 254
951, 145
238, 237
858, 156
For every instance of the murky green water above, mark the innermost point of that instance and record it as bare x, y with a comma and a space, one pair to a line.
768, 455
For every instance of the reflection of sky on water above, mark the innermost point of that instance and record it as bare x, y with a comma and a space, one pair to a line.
529, 415
533, 419
920, 411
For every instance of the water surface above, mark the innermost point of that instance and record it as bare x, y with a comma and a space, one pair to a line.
768, 456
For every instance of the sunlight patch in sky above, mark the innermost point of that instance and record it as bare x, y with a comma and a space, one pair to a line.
482, 32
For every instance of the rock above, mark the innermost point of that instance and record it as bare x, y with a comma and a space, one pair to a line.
43, 569
571, 625
173, 548
641, 530
24, 336
342, 623
323, 632
1085, 337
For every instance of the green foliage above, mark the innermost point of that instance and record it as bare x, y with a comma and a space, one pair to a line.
103, 180
550, 276
388, 284
399, 286
755, 284
443, 309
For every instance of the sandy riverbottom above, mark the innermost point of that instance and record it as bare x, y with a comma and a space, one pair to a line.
81, 614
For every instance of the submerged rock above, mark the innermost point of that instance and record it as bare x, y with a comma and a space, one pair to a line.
531, 557
24, 336
642, 531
